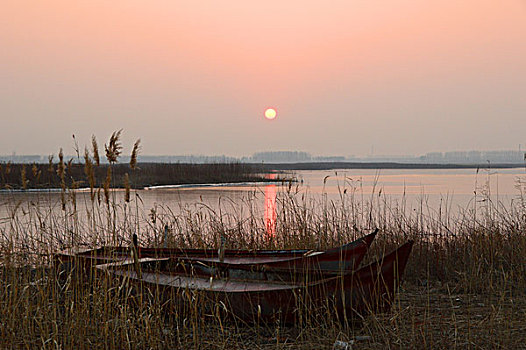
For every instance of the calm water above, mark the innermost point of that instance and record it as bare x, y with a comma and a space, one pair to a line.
458, 188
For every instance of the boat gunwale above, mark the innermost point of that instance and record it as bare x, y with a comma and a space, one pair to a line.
284, 256
398, 256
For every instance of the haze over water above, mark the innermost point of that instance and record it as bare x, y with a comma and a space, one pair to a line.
195, 77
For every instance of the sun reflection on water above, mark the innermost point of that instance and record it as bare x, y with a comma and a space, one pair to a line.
270, 207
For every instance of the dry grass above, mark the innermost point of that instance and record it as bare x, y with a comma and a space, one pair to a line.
465, 284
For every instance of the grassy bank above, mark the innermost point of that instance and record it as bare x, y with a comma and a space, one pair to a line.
40, 176
464, 287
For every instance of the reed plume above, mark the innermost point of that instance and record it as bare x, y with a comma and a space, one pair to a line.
36, 173
114, 147
34, 170
61, 169
135, 153
51, 167
95, 147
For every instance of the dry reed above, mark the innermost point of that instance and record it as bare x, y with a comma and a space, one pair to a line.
135, 154
114, 147
464, 285
95, 149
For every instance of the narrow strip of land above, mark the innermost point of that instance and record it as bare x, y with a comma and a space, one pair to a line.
76, 175
382, 165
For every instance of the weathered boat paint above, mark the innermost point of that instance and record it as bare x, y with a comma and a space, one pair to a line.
369, 289
260, 264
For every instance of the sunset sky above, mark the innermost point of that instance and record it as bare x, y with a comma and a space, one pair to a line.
195, 77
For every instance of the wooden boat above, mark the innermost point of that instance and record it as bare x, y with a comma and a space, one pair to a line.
368, 289
336, 260
283, 268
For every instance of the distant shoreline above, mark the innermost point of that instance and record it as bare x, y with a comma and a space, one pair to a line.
380, 165
40, 177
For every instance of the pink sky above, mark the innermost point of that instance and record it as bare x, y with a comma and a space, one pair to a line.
404, 77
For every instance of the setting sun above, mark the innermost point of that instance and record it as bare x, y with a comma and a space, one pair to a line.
270, 113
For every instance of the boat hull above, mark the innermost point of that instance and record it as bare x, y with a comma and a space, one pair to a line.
369, 289
263, 264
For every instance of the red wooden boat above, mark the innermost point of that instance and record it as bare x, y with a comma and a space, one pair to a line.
368, 289
336, 260
332, 261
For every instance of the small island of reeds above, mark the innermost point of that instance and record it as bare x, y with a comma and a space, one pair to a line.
92, 170
45, 176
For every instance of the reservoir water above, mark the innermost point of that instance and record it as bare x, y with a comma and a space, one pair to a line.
453, 190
